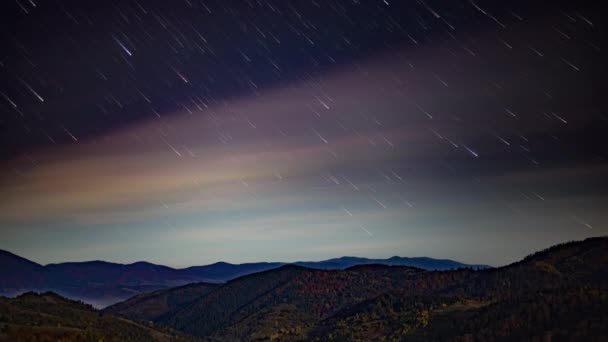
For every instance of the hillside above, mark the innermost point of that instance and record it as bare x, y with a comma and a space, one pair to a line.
18, 272
50, 317
561, 292
154, 305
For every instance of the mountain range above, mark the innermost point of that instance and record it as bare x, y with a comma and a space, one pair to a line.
103, 283
559, 294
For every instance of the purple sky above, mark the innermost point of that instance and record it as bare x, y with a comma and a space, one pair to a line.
466, 131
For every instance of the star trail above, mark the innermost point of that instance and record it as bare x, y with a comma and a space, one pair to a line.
186, 132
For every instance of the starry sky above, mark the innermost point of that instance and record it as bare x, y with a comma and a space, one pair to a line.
188, 132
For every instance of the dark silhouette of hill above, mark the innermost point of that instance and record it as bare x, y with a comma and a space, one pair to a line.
104, 283
50, 317
17, 272
292, 297
557, 294
223, 271
154, 305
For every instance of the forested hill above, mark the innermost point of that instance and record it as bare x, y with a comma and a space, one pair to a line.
560, 293
50, 317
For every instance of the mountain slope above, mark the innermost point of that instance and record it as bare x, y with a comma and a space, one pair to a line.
295, 294
560, 292
50, 317
154, 305
17, 272
295, 306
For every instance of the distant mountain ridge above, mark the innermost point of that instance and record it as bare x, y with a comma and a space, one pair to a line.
102, 283
419, 262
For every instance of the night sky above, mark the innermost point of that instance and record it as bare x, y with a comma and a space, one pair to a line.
187, 132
